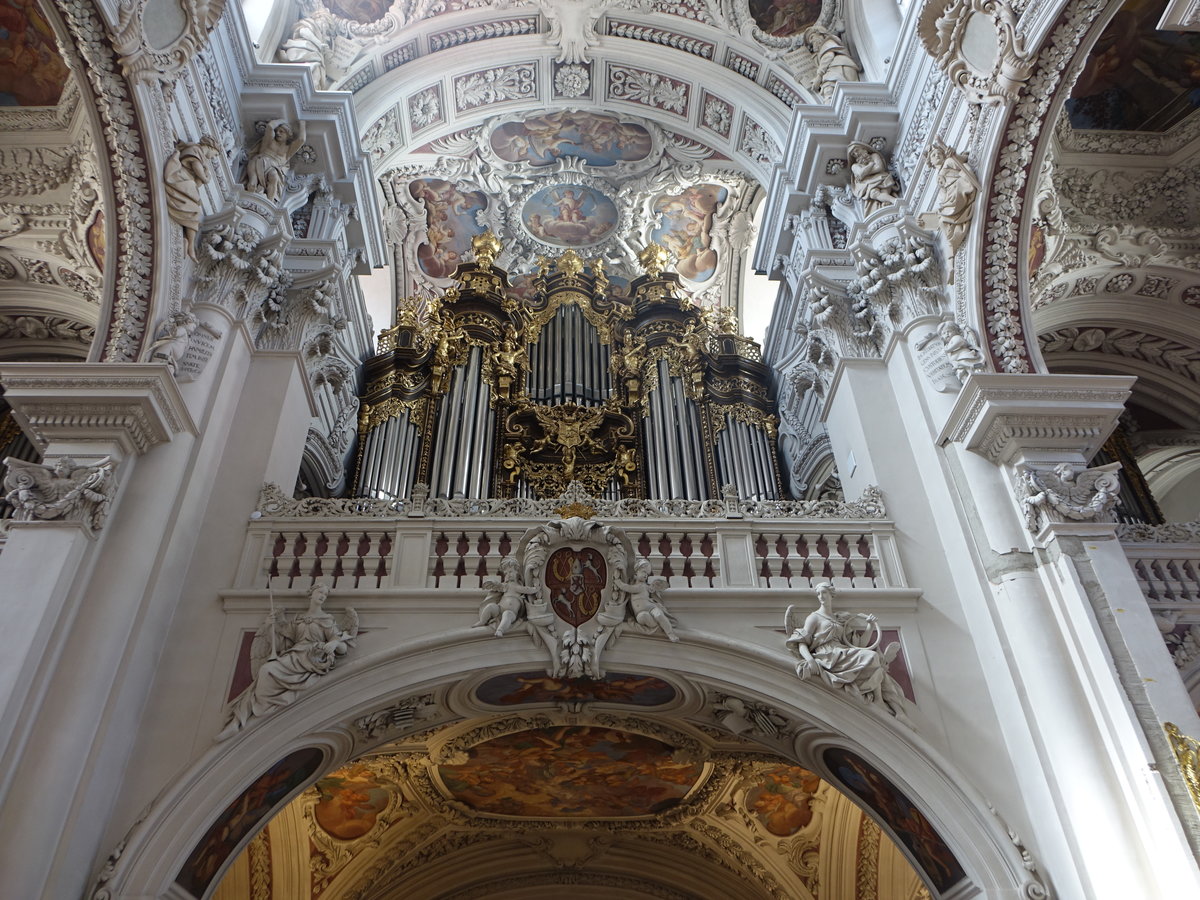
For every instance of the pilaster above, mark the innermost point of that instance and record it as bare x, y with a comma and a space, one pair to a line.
92, 422
1078, 640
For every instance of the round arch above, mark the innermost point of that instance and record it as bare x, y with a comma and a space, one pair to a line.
1061, 38
160, 842
1160, 389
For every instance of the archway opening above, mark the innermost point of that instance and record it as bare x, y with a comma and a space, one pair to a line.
633, 785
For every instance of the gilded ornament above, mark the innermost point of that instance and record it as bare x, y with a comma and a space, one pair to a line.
599, 274
371, 415
576, 510
1187, 754
570, 264
569, 428
654, 259
487, 248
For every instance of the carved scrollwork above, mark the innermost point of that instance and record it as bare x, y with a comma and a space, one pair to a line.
156, 38
976, 44
566, 588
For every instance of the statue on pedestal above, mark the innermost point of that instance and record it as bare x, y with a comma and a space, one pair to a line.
288, 658
267, 167
831, 646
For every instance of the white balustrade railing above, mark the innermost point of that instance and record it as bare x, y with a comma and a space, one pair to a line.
373, 544
1165, 560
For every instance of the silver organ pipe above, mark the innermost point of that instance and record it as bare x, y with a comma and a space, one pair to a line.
515, 397
744, 459
462, 451
390, 455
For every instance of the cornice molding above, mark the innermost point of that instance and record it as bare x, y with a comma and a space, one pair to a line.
1005, 418
134, 406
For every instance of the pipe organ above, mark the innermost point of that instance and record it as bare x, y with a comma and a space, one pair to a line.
637, 394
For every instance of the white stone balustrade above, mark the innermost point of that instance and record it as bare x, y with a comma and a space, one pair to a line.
374, 545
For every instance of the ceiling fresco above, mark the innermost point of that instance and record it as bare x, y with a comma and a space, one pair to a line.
581, 772
450, 223
1137, 78
782, 800
907, 822
32, 73
365, 12
518, 688
569, 215
551, 181
658, 807
685, 229
596, 140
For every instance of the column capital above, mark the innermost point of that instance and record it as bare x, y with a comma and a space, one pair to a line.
131, 407
1012, 419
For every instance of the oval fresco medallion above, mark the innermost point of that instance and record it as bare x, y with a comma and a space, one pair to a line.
351, 800
569, 215
571, 771
784, 18
782, 799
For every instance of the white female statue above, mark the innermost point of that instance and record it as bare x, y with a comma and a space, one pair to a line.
288, 658
827, 645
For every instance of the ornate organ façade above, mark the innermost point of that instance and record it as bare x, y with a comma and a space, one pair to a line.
481, 393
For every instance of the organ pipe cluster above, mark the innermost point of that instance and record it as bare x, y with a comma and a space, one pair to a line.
637, 393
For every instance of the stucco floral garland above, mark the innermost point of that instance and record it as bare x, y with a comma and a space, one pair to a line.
134, 234
1001, 298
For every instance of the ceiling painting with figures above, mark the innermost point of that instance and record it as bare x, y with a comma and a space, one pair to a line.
566, 179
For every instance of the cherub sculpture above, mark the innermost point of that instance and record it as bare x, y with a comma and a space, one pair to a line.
645, 599
172, 338
962, 349
505, 599
288, 658
835, 647
63, 490
1067, 492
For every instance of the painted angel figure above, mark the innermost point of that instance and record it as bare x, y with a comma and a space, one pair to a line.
1075, 494
831, 646
289, 657
63, 490
645, 599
